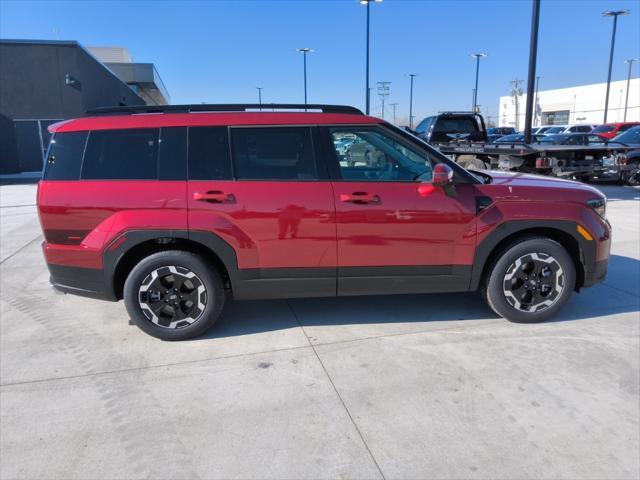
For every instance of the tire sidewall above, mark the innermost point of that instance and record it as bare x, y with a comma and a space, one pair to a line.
495, 294
209, 277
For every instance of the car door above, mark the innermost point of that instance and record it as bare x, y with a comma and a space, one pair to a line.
262, 191
397, 233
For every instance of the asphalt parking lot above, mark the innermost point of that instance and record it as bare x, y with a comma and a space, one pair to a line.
421, 386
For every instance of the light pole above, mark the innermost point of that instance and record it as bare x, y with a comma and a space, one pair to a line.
394, 105
259, 96
304, 52
383, 93
366, 88
615, 14
533, 56
626, 102
411, 75
477, 56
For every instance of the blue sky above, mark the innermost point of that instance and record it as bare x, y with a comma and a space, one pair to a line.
219, 51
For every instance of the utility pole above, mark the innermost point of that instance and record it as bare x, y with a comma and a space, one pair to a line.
394, 105
615, 14
411, 75
626, 102
383, 93
533, 55
516, 91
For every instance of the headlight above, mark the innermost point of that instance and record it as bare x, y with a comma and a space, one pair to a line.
599, 205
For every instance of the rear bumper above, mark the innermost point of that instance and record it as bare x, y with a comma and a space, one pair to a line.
86, 282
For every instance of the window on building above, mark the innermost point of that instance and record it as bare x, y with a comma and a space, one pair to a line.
273, 153
121, 155
560, 117
209, 153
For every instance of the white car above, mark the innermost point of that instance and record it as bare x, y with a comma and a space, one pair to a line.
577, 128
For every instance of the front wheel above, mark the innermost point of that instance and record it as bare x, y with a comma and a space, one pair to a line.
530, 280
174, 295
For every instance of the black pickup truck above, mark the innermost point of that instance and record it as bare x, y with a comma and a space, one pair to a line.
463, 137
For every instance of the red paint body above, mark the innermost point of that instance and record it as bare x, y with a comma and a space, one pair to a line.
617, 126
300, 224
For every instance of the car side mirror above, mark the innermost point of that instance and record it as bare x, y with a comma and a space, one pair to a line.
442, 175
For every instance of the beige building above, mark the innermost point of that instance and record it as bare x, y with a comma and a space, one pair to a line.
581, 104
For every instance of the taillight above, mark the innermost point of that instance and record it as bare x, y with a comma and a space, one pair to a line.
543, 162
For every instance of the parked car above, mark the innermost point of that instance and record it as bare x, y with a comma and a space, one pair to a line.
542, 130
573, 139
610, 130
495, 133
517, 138
177, 211
630, 175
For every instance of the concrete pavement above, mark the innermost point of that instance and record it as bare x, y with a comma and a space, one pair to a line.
418, 386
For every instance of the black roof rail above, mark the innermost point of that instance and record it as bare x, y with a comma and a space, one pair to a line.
231, 107
447, 112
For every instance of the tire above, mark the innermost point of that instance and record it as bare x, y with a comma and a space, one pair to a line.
631, 177
530, 280
174, 295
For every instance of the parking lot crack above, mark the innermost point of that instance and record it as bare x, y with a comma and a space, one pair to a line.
344, 405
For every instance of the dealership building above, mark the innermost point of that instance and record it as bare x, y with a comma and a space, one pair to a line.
580, 104
44, 82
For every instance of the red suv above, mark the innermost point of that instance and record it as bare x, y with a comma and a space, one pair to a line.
174, 209
610, 130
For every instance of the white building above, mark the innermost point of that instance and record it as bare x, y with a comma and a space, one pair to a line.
582, 104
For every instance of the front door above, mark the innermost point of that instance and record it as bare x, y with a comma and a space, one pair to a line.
396, 232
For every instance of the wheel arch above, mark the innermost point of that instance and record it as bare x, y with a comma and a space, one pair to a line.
580, 250
131, 247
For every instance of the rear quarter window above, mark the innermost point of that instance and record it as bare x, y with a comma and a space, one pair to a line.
121, 155
64, 157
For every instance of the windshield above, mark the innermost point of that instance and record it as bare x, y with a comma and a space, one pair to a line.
630, 136
554, 130
603, 129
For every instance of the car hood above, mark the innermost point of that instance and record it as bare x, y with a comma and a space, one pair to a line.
516, 179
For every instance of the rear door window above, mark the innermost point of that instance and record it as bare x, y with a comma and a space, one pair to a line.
122, 155
173, 153
273, 153
65, 156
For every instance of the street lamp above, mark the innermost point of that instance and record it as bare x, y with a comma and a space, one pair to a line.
477, 56
412, 75
366, 88
259, 96
626, 102
615, 14
304, 52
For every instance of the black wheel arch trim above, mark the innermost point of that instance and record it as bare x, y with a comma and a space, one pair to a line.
586, 257
130, 239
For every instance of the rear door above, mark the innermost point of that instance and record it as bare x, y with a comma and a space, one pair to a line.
263, 192
396, 232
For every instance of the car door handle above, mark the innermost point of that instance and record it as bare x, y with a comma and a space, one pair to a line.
359, 197
214, 196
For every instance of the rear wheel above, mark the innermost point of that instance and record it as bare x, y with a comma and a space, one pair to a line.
530, 280
174, 295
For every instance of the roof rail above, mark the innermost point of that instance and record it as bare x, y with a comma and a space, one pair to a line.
446, 112
231, 107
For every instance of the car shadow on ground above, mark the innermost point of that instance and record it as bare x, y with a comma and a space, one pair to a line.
251, 317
